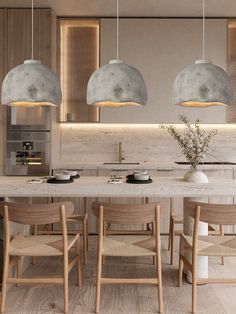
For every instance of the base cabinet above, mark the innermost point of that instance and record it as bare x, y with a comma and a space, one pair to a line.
79, 203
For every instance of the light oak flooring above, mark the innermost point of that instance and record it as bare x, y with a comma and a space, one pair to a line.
123, 299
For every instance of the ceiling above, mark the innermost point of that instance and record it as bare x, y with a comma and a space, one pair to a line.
145, 8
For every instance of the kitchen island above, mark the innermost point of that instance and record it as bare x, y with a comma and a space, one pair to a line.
99, 187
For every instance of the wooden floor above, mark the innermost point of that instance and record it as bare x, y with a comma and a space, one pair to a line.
123, 299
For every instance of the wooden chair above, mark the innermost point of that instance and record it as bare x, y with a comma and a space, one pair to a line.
178, 220
128, 245
38, 245
174, 220
81, 219
217, 214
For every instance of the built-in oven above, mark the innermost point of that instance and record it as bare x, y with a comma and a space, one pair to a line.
28, 141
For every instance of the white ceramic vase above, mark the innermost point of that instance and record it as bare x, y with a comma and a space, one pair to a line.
195, 176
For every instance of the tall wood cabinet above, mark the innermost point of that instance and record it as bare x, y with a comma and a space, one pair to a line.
2, 73
15, 45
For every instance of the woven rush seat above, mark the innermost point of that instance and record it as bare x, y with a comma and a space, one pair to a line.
129, 245
214, 245
41, 245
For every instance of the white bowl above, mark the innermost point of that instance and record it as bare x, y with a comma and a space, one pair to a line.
141, 177
72, 173
62, 176
140, 172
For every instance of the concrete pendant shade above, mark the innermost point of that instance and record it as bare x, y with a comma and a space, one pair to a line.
202, 84
31, 84
116, 84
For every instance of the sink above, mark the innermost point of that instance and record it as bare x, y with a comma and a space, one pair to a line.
121, 163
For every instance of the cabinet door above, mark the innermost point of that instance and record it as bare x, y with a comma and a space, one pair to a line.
79, 204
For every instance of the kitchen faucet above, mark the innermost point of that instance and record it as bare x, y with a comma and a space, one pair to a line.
121, 153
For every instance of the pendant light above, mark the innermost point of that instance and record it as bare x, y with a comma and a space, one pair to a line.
202, 84
116, 84
31, 84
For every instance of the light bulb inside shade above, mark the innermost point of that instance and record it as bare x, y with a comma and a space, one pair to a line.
201, 104
30, 104
116, 104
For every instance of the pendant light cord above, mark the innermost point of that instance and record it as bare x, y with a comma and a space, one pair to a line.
203, 29
32, 30
117, 30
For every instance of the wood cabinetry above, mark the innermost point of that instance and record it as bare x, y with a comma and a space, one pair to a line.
2, 73
79, 58
15, 45
18, 33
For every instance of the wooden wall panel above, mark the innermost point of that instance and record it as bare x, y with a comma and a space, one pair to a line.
231, 68
2, 73
19, 36
79, 58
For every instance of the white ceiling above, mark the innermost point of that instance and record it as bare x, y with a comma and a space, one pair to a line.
150, 8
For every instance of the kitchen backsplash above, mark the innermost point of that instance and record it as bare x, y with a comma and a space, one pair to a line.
98, 143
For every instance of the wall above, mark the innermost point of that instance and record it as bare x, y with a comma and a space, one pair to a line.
160, 48
97, 143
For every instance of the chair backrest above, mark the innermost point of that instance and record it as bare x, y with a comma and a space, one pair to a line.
37, 214
126, 213
217, 214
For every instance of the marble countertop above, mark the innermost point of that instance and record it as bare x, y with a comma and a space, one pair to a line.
98, 187
162, 166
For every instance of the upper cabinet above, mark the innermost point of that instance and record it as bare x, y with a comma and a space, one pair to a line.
79, 58
160, 48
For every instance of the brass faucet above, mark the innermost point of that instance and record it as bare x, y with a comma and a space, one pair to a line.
121, 153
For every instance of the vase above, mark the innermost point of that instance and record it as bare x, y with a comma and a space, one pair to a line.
195, 176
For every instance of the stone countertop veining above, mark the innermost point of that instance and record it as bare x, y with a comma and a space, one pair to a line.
162, 166
98, 187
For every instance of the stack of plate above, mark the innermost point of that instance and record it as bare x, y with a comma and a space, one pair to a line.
139, 177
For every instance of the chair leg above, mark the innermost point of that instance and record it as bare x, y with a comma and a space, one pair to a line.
154, 259
85, 240
222, 233
78, 263
66, 303
194, 287
87, 234
169, 236
159, 274
18, 268
33, 258
98, 288
4, 282
172, 235
181, 264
